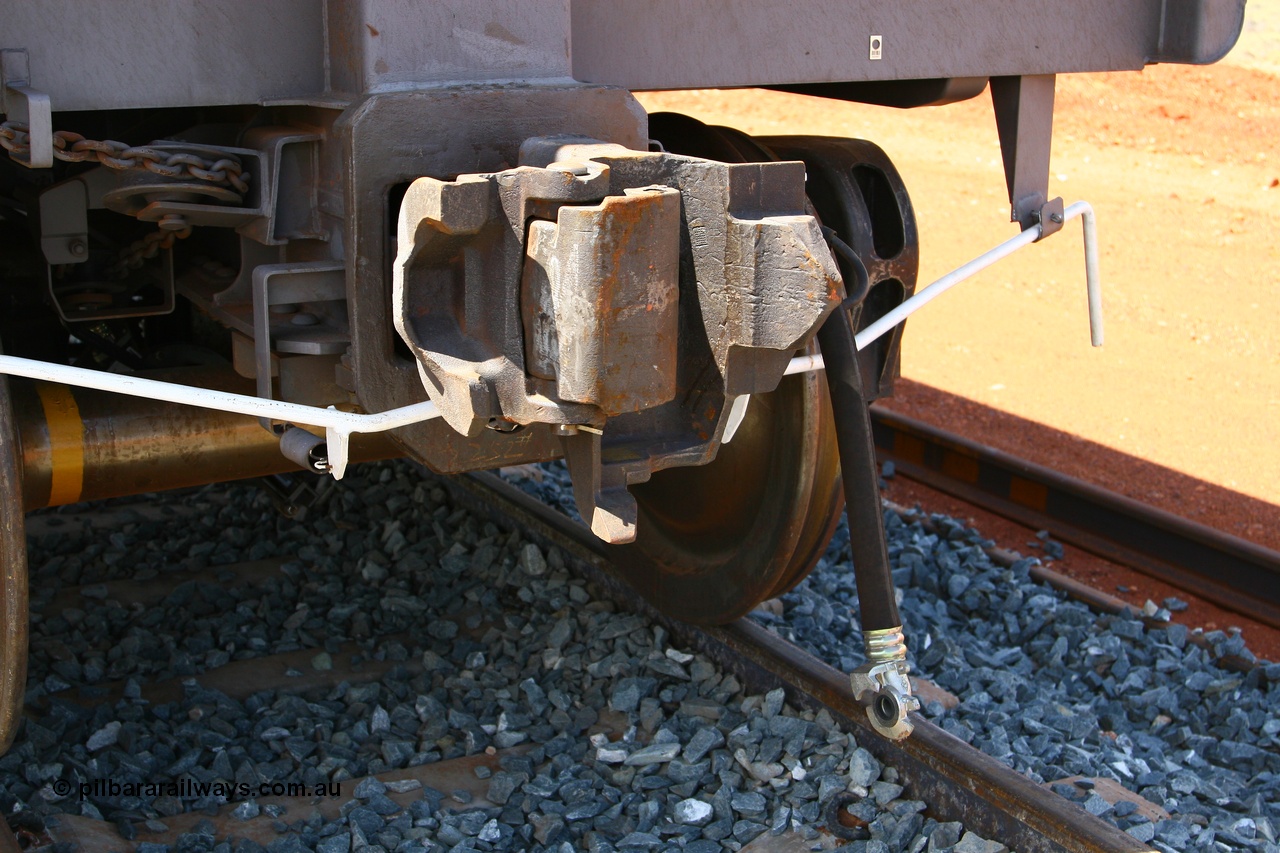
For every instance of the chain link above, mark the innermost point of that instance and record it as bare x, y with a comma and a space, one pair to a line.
133, 255
74, 148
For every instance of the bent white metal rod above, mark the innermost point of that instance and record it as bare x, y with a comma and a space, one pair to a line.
338, 425
1082, 209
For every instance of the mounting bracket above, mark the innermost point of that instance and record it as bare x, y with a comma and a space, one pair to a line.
1024, 120
24, 104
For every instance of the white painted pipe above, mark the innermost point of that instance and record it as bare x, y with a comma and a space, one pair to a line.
338, 425
806, 363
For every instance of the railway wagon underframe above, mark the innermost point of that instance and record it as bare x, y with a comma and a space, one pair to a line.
240, 239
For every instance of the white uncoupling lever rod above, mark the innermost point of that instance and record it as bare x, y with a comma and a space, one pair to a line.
805, 363
338, 425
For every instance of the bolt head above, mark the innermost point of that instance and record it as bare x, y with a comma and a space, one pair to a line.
78, 248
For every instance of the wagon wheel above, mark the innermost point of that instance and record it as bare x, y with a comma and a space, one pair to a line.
713, 541
14, 619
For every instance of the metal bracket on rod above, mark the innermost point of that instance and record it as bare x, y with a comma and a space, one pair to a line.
1024, 121
338, 425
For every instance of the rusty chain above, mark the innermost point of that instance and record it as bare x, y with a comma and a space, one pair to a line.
133, 255
74, 148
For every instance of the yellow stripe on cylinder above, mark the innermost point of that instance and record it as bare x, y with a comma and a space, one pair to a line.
66, 442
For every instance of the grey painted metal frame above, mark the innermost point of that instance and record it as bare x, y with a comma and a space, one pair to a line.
116, 54
695, 43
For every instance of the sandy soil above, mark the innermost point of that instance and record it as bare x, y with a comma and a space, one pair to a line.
1181, 408
1259, 44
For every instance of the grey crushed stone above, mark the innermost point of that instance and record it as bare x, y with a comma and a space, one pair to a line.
1054, 690
388, 555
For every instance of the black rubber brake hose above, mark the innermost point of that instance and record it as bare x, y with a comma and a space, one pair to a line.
872, 574
850, 257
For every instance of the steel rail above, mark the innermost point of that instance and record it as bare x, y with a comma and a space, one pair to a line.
957, 781
1092, 597
1231, 572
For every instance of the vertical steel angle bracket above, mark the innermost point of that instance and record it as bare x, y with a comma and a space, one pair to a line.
275, 284
1024, 121
23, 104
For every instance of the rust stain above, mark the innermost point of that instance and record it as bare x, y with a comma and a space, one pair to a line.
497, 31
1028, 493
373, 31
341, 51
960, 466
909, 447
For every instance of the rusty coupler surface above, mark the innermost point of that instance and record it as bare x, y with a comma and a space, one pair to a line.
625, 297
